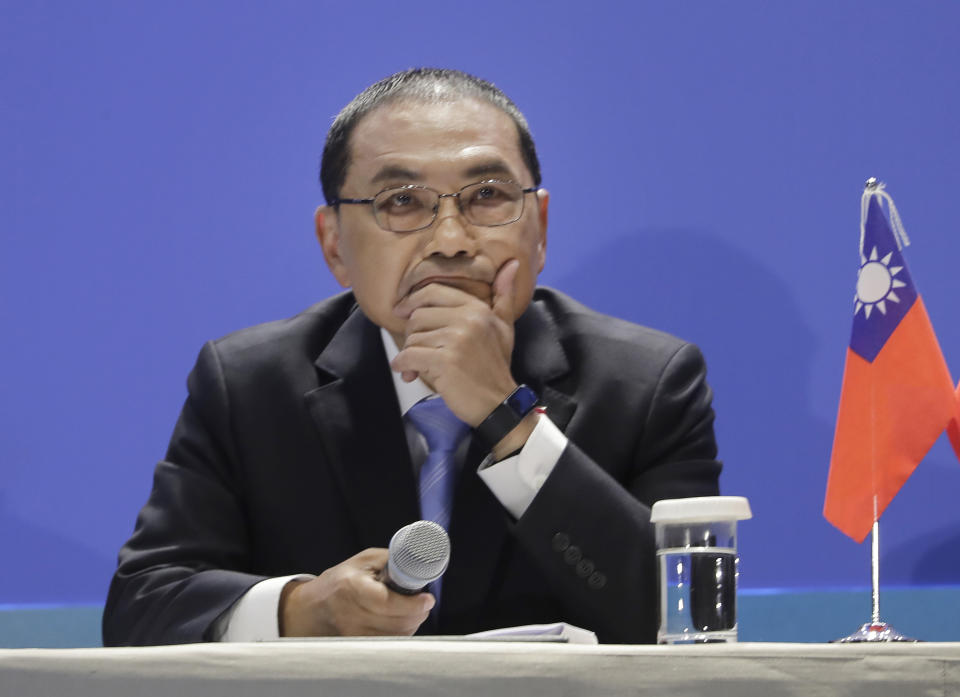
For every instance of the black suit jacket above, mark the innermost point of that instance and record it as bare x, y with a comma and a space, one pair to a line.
290, 456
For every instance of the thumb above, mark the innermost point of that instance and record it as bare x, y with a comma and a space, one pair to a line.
503, 291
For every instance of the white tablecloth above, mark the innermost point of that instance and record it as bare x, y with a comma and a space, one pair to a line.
395, 668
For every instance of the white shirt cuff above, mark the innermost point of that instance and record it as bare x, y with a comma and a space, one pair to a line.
254, 616
516, 480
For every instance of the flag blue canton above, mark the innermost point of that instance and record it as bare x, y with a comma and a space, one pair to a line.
885, 291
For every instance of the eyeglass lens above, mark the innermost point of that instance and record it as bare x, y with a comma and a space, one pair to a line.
409, 208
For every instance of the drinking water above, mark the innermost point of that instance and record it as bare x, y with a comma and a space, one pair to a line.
698, 595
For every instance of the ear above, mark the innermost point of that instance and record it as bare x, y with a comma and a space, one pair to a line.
543, 203
327, 224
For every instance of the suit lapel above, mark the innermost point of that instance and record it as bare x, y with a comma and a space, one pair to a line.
356, 412
539, 361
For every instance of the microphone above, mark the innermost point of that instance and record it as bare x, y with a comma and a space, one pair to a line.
418, 555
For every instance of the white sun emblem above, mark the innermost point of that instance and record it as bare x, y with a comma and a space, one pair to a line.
876, 283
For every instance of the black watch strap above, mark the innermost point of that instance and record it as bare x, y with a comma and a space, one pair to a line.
507, 415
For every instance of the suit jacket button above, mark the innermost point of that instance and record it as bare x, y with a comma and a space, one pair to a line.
572, 555
597, 581
585, 568
561, 541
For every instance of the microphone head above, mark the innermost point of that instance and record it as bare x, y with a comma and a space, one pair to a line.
419, 554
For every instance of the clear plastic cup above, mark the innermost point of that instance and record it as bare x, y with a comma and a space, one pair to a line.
697, 564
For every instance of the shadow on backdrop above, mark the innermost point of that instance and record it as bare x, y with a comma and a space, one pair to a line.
930, 558
759, 352
49, 567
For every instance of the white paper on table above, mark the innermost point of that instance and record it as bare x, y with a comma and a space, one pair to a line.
559, 630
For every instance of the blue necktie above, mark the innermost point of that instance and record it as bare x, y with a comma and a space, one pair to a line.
443, 432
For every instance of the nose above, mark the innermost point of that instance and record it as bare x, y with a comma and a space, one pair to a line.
451, 234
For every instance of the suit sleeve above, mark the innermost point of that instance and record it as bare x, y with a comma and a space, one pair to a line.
588, 528
181, 568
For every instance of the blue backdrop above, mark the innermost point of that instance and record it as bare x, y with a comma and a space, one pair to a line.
705, 161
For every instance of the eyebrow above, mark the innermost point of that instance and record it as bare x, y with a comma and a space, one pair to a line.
488, 169
394, 172
492, 168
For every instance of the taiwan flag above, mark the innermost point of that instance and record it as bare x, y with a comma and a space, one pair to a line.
953, 430
897, 396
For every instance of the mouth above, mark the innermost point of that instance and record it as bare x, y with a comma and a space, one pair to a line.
477, 288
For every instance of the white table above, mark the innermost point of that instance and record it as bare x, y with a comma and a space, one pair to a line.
395, 668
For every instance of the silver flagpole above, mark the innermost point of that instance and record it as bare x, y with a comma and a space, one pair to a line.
875, 570
875, 629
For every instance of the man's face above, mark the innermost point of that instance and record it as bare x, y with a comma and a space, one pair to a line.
444, 146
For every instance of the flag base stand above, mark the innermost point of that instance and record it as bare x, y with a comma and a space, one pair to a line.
874, 631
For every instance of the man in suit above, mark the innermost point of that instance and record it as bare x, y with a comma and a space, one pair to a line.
295, 455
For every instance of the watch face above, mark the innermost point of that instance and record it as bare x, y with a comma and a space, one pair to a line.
522, 400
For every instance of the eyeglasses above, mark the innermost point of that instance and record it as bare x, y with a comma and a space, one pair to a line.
408, 208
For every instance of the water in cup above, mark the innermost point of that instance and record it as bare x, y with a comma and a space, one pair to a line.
699, 598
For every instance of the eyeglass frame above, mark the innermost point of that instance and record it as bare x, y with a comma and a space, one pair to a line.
523, 191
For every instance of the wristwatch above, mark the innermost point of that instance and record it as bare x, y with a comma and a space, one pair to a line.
507, 415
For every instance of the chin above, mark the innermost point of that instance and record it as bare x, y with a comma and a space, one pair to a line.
522, 301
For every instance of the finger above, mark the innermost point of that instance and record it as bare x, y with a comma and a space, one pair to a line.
434, 338
417, 359
372, 558
439, 319
377, 600
435, 295
383, 625
362, 621
433, 316
416, 605
504, 289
